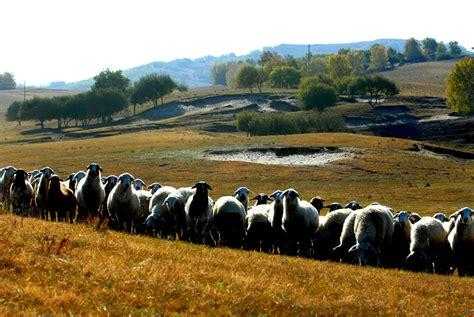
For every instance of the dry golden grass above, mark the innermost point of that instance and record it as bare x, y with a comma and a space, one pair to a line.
51, 268
421, 79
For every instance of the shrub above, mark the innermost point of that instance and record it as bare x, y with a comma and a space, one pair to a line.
314, 94
460, 87
271, 123
285, 77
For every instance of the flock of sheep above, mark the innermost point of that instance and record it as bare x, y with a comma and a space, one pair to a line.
278, 223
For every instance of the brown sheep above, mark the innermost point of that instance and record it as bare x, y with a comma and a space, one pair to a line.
61, 200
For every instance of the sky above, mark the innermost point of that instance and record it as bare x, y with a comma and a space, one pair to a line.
70, 40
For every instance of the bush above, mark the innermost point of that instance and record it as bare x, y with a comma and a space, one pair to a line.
271, 123
460, 88
285, 77
314, 94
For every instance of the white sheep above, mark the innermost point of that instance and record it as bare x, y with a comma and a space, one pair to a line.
228, 218
138, 184
429, 247
400, 247
329, 232
41, 192
373, 229
258, 227
300, 222
90, 194
6, 179
198, 210
153, 223
461, 240
173, 215
347, 238
123, 203
275, 217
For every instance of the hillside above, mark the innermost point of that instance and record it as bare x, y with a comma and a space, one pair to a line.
197, 72
421, 79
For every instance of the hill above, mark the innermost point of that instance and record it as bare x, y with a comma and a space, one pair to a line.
421, 79
197, 72
55, 268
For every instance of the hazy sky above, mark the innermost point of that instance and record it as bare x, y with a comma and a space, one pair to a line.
48, 40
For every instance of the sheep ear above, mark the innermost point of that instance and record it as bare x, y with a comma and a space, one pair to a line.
100, 169
208, 186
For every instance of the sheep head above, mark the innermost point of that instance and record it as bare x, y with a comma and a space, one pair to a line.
154, 187
277, 195
261, 199
20, 176
242, 195
125, 181
138, 184
47, 171
317, 202
94, 169
441, 217
202, 187
334, 206
354, 205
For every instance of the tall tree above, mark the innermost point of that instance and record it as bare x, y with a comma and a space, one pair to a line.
413, 52
338, 66
219, 73
152, 88
247, 77
460, 86
429, 48
108, 79
378, 58
7, 81
285, 77
441, 52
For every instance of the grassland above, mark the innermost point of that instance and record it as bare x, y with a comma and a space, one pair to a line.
421, 79
50, 268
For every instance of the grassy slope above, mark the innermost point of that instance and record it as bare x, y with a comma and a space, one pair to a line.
50, 268
421, 79
106, 272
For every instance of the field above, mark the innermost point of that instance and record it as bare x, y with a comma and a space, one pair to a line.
421, 79
49, 268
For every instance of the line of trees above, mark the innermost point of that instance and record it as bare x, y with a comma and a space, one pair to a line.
278, 71
110, 94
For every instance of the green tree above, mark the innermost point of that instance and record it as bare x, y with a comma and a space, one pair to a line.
152, 88
429, 48
454, 49
441, 52
107, 102
247, 77
378, 58
7, 81
316, 95
460, 87
108, 79
285, 77
219, 73
357, 61
413, 52
338, 66
375, 88
14, 112
394, 57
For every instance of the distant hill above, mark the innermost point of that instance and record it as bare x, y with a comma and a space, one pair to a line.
197, 72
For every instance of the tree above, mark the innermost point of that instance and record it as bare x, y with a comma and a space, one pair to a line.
108, 79
219, 73
152, 88
375, 88
247, 77
413, 52
107, 102
394, 57
378, 58
316, 95
429, 48
460, 87
358, 62
14, 112
454, 49
441, 52
7, 81
285, 77
338, 66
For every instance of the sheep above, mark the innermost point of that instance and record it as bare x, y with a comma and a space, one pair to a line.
261, 199
61, 200
354, 205
373, 229
275, 217
41, 192
335, 206
346, 239
109, 183
414, 217
173, 215
228, 218
32, 175
198, 210
6, 179
258, 228
329, 232
138, 184
300, 222
123, 203
154, 187
461, 241
76, 179
154, 222
400, 247
90, 194
21, 193
429, 247
144, 197
441, 216
317, 202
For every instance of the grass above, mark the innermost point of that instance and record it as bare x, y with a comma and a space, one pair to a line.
54, 268
421, 79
